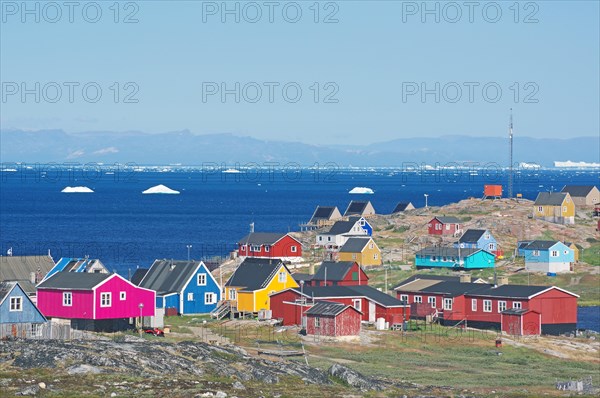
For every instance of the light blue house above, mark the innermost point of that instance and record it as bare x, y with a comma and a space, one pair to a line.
18, 314
187, 286
477, 239
85, 264
547, 256
454, 257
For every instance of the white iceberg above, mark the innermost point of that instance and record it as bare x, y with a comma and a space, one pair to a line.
232, 171
361, 190
160, 189
77, 190
570, 164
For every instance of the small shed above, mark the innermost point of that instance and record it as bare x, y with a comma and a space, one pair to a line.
327, 318
492, 191
521, 322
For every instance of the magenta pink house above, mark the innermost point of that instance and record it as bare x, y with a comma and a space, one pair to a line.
102, 302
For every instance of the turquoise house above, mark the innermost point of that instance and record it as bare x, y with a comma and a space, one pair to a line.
18, 314
547, 256
454, 257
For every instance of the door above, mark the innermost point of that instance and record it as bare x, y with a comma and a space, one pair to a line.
372, 313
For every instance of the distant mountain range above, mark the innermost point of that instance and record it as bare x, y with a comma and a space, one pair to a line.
184, 147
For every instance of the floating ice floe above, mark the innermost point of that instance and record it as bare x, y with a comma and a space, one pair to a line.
160, 189
361, 190
231, 171
77, 190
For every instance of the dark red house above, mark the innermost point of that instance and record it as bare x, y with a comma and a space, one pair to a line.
484, 306
444, 226
342, 273
327, 318
290, 305
266, 244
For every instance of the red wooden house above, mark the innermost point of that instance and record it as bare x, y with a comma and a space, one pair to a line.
488, 306
102, 302
290, 305
327, 318
444, 226
342, 273
269, 245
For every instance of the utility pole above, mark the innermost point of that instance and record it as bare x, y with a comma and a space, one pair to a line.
510, 165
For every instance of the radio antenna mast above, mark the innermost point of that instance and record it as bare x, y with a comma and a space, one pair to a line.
510, 165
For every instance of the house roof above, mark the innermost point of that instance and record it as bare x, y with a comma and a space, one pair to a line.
323, 213
540, 244
416, 285
342, 227
447, 219
428, 277
516, 291
447, 251
327, 308
355, 245
356, 207
518, 311
19, 268
453, 289
255, 273
5, 289
401, 206
73, 281
299, 276
578, 190
75, 264
138, 275
471, 235
168, 276
333, 271
351, 291
550, 198
261, 238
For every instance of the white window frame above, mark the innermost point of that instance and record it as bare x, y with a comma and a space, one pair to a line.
122, 296
106, 299
404, 297
431, 300
438, 227
474, 305
554, 253
317, 322
487, 236
487, 305
564, 209
372, 245
357, 303
267, 248
536, 253
67, 299
375, 256
501, 306
255, 248
281, 277
353, 256
232, 294
293, 249
16, 304
243, 248
448, 304
491, 246
418, 299
447, 227
190, 296
329, 239
517, 305
540, 209
320, 238
201, 279
209, 298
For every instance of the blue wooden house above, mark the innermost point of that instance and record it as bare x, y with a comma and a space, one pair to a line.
80, 264
547, 256
18, 314
186, 286
477, 239
454, 257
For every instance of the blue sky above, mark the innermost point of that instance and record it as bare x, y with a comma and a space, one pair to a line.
369, 62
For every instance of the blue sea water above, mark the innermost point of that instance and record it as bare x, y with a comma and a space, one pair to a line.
588, 318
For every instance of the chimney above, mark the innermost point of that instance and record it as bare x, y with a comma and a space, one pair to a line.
465, 278
502, 280
32, 277
311, 269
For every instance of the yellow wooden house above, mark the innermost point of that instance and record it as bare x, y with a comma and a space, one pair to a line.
556, 207
363, 250
575, 249
248, 289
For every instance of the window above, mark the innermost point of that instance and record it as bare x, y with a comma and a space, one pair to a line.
353, 256
418, 299
293, 249
282, 277
404, 297
122, 296
491, 246
501, 306
444, 259
190, 297
16, 304
566, 252
564, 209
554, 253
487, 236
36, 330
517, 305
433, 258
320, 238
243, 248
329, 239
375, 256
362, 223
487, 305
317, 322
473, 304
372, 245
431, 300
201, 279
67, 299
438, 227
255, 248
231, 294
447, 227
210, 298
462, 245
536, 253
105, 299
448, 304
357, 303
540, 209
267, 248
